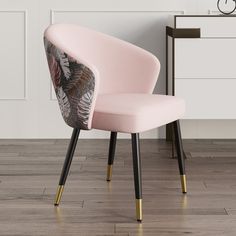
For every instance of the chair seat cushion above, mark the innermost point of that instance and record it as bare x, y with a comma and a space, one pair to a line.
135, 113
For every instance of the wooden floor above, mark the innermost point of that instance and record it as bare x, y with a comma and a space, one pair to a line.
30, 169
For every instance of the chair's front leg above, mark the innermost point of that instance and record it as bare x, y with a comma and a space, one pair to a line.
111, 154
67, 164
180, 154
137, 175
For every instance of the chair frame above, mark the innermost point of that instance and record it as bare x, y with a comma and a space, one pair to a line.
76, 79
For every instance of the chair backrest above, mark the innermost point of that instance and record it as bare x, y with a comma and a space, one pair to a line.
79, 58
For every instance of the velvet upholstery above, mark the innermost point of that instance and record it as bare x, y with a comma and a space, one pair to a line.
135, 113
108, 82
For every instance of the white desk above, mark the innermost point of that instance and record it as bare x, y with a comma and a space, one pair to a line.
201, 64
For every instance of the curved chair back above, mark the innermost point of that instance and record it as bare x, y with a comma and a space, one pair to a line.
79, 58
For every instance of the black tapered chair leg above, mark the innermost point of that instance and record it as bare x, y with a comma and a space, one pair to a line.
180, 155
174, 146
137, 175
67, 164
111, 154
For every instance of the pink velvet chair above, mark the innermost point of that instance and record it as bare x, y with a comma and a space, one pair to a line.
104, 83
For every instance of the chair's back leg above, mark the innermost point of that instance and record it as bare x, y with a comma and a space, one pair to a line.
180, 154
137, 175
111, 154
67, 164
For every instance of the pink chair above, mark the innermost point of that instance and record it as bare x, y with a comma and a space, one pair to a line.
102, 82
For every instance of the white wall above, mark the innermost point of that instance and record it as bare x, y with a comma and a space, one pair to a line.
27, 103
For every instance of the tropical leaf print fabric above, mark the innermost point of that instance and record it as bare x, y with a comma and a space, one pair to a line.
74, 85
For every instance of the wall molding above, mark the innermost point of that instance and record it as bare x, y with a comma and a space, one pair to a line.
213, 12
25, 13
53, 11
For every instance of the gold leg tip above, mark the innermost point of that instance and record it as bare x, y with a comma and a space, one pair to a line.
139, 212
183, 183
58, 195
109, 172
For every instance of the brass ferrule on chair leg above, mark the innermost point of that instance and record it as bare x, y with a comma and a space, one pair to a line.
109, 172
58, 195
139, 211
183, 183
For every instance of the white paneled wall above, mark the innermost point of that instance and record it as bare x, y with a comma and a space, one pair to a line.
27, 101
14, 78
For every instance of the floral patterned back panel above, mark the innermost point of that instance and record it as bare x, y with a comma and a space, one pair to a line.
74, 85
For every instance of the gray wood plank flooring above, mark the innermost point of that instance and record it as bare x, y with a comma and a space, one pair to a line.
30, 170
